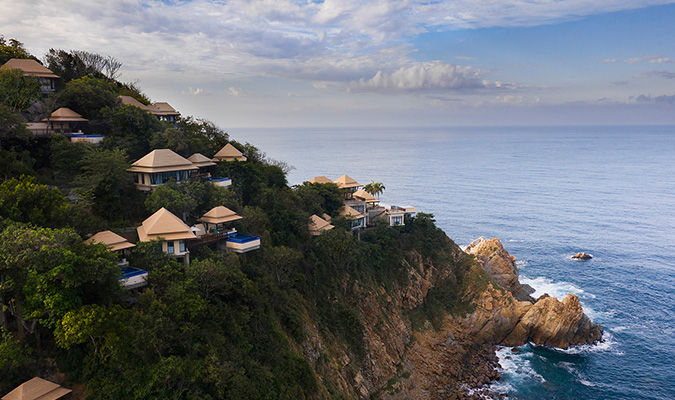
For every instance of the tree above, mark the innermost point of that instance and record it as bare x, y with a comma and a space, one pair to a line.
87, 96
130, 128
105, 180
12, 48
46, 273
319, 198
77, 64
15, 158
374, 188
17, 91
191, 136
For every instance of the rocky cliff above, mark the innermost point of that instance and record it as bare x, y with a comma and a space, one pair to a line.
403, 361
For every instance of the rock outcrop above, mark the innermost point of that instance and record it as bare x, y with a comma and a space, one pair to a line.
501, 266
501, 317
582, 256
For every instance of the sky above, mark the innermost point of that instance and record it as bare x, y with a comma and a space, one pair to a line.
284, 63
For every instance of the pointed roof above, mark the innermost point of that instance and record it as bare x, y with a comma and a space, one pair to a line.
65, 114
30, 67
163, 108
112, 240
365, 196
229, 153
201, 160
320, 179
128, 100
219, 215
37, 389
346, 182
350, 213
317, 225
162, 160
165, 225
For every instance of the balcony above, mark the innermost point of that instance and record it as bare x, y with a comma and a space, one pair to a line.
211, 238
132, 278
243, 243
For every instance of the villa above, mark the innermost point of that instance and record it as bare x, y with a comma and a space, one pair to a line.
204, 164
158, 166
229, 153
216, 227
318, 225
355, 218
31, 67
162, 110
320, 179
170, 230
65, 121
130, 277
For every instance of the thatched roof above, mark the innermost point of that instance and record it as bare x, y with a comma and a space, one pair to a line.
365, 196
346, 182
165, 225
219, 215
350, 213
201, 160
30, 67
64, 114
162, 160
229, 153
320, 179
112, 240
37, 389
317, 225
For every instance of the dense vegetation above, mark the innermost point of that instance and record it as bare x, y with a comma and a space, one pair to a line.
226, 326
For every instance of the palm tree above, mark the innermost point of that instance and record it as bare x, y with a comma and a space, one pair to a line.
374, 188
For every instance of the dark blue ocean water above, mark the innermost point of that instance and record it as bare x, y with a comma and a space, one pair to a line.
547, 193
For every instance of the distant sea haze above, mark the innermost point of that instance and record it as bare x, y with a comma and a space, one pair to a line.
547, 193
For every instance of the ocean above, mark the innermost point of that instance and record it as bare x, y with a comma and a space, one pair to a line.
547, 193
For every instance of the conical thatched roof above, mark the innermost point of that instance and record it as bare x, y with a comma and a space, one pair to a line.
162, 160
37, 389
219, 215
320, 179
112, 240
163, 224
317, 225
30, 67
64, 114
201, 160
229, 153
346, 182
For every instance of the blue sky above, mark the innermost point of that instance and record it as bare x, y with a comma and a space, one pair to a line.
386, 63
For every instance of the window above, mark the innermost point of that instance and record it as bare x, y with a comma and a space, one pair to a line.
169, 246
181, 246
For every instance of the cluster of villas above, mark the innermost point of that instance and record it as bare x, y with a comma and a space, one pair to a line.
360, 208
175, 237
67, 122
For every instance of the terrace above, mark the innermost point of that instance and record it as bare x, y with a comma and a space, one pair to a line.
132, 278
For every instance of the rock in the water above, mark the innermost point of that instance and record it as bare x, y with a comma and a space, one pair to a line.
501, 266
582, 256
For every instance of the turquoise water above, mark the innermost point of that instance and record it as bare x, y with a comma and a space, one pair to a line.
547, 193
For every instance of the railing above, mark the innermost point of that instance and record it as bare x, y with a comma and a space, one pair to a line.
210, 238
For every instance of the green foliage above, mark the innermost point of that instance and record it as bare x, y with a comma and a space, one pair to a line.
190, 136
129, 127
87, 97
18, 92
15, 156
12, 48
374, 188
12, 352
47, 273
319, 198
24, 200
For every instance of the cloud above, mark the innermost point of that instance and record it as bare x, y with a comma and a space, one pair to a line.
663, 99
640, 59
196, 91
608, 60
657, 74
426, 77
662, 60
235, 91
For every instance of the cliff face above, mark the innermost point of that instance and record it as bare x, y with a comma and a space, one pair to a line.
400, 362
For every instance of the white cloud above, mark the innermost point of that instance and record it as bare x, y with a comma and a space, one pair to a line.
196, 91
423, 77
235, 91
662, 60
657, 74
640, 59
